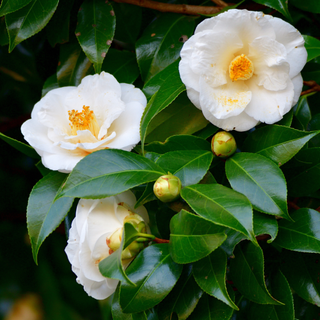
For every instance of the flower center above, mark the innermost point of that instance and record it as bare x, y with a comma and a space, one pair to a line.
241, 68
84, 120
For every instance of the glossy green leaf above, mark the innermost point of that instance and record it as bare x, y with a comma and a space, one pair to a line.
161, 43
305, 179
122, 65
154, 273
279, 5
8, 6
193, 237
265, 224
246, 173
302, 273
22, 147
95, 30
305, 310
111, 266
180, 117
277, 143
43, 214
29, 20
302, 113
222, 206
73, 65
287, 119
207, 132
301, 235
179, 142
160, 100
182, 300
210, 274
147, 196
233, 238
50, 84
313, 47
189, 166
211, 308
108, 172
311, 72
280, 290
310, 5
247, 274
58, 27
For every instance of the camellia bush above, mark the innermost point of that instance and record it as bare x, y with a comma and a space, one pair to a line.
179, 144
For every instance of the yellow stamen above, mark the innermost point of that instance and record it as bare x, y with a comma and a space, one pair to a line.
241, 68
84, 120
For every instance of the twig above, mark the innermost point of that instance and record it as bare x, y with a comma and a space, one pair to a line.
176, 8
314, 87
158, 240
220, 3
293, 205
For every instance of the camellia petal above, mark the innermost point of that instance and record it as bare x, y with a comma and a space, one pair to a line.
297, 82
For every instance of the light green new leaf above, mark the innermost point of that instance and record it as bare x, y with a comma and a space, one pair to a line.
44, 214
29, 20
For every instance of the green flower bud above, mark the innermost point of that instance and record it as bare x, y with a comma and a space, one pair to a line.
223, 144
167, 188
132, 250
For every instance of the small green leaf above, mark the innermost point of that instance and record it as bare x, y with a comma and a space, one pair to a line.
193, 237
43, 214
313, 47
279, 5
247, 274
152, 268
246, 173
302, 273
276, 142
108, 172
265, 224
210, 274
95, 30
8, 6
29, 20
189, 166
301, 235
222, 206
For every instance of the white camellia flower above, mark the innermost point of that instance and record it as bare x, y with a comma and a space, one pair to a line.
68, 123
95, 224
241, 68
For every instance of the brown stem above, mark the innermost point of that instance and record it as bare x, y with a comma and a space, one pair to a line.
220, 3
314, 87
293, 205
158, 240
176, 8
263, 237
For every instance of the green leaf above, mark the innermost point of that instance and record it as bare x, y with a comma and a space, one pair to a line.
207, 132
147, 196
180, 117
211, 308
152, 268
305, 310
73, 65
43, 214
189, 166
29, 20
8, 6
287, 119
265, 224
279, 5
222, 206
246, 173
95, 30
58, 27
111, 266
302, 273
22, 147
281, 291
122, 65
301, 235
233, 238
182, 299
179, 142
247, 274
313, 47
277, 143
160, 100
210, 274
310, 5
108, 172
302, 113
50, 84
161, 43
193, 237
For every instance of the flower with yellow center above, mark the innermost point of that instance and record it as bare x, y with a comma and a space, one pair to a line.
68, 123
241, 68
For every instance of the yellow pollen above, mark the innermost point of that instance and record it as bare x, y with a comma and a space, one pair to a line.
84, 120
241, 68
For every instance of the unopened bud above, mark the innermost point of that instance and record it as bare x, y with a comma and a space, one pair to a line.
132, 250
136, 221
114, 240
223, 144
167, 188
